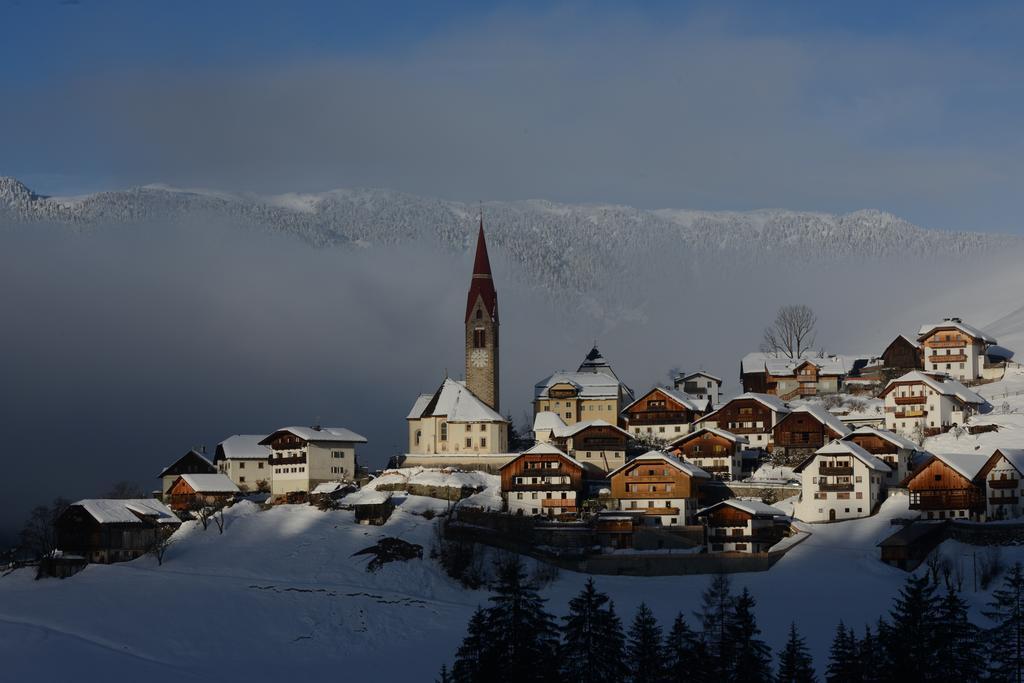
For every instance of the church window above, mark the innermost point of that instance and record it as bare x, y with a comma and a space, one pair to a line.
479, 339
479, 314
483, 442
419, 433
469, 442
444, 431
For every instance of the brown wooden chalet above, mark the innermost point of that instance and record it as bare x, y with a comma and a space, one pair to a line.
902, 355
113, 530
663, 407
806, 429
660, 484
599, 445
196, 490
190, 463
705, 446
543, 480
741, 526
751, 415
947, 486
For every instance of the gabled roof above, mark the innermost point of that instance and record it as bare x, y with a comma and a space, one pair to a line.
242, 447
587, 384
955, 324
942, 384
577, 427
684, 399
728, 436
773, 403
456, 403
546, 420
905, 338
660, 456
839, 447
821, 415
127, 510
892, 437
753, 507
700, 373
967, 465
319, 434
327, 487
783, 366
192, 454
545, 449
1015, 456
210, 483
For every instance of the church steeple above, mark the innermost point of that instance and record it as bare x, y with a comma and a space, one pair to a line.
482, 327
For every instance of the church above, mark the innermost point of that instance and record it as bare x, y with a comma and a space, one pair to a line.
460, 423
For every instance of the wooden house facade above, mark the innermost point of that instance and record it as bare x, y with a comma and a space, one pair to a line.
749, 415
946, 487
113, 530
542, 481
894, 450
598, 444
804, 430
741, 526
902, 355
191, 491
191, 463
664, 414
664, 487
716, 451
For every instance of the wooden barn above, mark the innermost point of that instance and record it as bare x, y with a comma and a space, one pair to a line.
946, 487
902, 355
113, 530
192, 490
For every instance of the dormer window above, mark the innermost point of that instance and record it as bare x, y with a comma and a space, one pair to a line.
479, 314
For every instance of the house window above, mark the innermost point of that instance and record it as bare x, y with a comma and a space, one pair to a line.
241, 479
483, 442
444, 431
241, 465
469, 442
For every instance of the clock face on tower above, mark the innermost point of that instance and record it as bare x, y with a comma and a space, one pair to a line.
478, 358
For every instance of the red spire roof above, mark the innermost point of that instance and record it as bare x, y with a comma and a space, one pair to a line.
482, 284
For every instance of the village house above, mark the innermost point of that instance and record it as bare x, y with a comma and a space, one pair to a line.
920, 404
598, 444
192, 491
106, 530
840, 481
804, 430
954, 348
454, 422
901, 356
701, 385
190, 463
790, 378
542, 481
750, 415
946, 486
664, 487
302, 457
741, 526
245, 460
1002, 475
716, 451
593, 392
894, 450
663, 414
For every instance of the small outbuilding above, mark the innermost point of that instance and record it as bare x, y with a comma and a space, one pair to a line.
191, 490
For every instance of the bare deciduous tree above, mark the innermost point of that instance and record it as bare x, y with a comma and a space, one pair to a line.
124, 490
160, 545
38, 536
792, 334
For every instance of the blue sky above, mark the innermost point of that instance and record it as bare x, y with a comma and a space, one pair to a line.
908, 107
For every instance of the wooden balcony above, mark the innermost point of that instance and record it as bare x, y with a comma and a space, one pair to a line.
1003, 483
651, 479
946, 344
558, 503
716, 468
835, 487
539, 487
1003, 500
660, 511
788, 441
911, 413
946, 499
951, 358
292, 460
835, 471
544, 472
911, 400
658, 417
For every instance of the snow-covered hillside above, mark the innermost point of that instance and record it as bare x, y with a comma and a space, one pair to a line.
574, 247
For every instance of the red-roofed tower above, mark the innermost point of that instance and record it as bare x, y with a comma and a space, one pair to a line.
482, 327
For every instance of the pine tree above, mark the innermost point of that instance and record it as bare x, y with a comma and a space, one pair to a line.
685, 656
715, 617
594, 643
957, 642
842, 658
872, 669
795, 664
1006, 653
910, 641
525, 638
443, 676
752, 657
644, 648
475, 660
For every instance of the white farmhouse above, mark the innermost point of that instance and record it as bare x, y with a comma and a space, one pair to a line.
303, 457
955, 348
1002, 475
894, 450
700, 384
840, 481
920, 404
245, 460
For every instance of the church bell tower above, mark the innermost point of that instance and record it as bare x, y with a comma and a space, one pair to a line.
482, 328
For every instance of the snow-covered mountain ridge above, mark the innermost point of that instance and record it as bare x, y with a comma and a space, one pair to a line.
574, 247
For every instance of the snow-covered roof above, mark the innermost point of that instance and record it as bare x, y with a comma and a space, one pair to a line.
954, 324
823, 416
190, 454
418, 406
912, 342
840, 447
577, 427
546, 420
773, 403
210, 483
728, 436
782, 366
942, 384
320, 434
127, 510
660, 456
753, 507
456, 403
327, 487
243, 447
545, 449
700, 373
1015, 456
681, 397
967, 464
891, 437
587, 384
